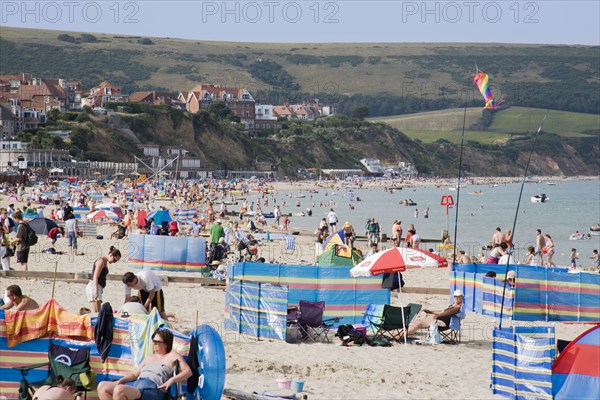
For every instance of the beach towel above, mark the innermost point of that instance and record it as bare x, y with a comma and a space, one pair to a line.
103, 333
141, 218
141, 328
290, 242
50, 319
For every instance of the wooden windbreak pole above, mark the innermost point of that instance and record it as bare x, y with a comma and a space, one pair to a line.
54, 279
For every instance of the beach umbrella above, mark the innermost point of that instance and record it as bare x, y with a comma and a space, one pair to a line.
396, 260
104, 214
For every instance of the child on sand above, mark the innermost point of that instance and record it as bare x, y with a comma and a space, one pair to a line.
573, 258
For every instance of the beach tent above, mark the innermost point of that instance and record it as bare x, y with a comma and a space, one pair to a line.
333, 256
576, 371
42, 226
160, 216
335, 238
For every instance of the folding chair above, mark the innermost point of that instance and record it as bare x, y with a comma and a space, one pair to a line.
63, 361
391, 324
310, 321
451, 334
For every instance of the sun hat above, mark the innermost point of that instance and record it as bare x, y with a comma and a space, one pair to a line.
511, 274
458, 292
219, 221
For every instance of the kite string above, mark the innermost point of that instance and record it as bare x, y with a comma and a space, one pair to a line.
514, 227
462, 142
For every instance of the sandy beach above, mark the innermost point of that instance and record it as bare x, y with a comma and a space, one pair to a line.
329, 370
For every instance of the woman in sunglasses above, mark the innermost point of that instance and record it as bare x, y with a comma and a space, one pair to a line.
154, 375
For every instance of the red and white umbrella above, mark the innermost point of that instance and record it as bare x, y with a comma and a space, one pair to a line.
105, 214
397, 259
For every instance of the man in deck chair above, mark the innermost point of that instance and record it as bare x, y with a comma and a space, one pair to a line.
311, 323
442, 318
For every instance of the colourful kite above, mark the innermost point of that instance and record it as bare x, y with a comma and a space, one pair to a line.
481, 81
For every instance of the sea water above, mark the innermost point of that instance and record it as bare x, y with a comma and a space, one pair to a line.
572, 205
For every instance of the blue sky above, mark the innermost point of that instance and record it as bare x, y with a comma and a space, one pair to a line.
549, 22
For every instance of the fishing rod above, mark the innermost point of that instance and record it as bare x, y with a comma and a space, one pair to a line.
514, 227
462, 142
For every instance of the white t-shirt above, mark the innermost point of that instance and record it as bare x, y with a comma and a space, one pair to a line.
147, 281
332, 217
132, 308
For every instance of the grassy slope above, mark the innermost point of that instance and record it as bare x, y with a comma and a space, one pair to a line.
447, 124
527, 120
443, 120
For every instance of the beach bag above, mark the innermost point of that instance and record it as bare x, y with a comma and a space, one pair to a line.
349, 336
434, 337
31, 239
10, 251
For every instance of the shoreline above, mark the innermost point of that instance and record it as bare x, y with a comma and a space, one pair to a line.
425, 182
330, 371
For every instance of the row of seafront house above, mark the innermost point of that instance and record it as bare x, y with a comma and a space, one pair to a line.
25, 102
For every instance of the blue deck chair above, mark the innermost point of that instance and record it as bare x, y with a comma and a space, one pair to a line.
451, 334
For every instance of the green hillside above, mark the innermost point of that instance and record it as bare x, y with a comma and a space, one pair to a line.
527, 120
506, 123
388, 78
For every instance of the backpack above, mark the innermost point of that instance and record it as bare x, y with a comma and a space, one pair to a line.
349, 336
31, 239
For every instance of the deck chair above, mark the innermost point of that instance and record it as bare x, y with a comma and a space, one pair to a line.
451, 334
391, 325
73, 363
310, 321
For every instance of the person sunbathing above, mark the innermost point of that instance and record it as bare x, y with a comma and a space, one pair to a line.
441, 318
153, 377
65, 389
18, 300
